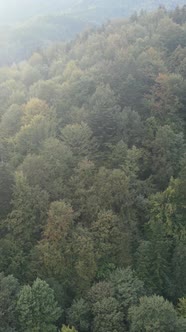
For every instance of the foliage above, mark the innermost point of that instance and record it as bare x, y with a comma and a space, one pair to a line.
93, 173
153, 314
79, 315
182, 307
127, 288
9, 288
36, 308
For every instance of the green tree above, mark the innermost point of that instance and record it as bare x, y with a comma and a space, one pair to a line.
129, 127
127, 288
9, 288
79, 139
22, 228
6, 189
55, 248
29, 212
31, 136
85, 260
153, 260
13, 259
153, 314
30, 74
11, 120
111, 242
51, 169
79, 315
166, 98
47, 90
182, 307
100, 290
111, 187
81, 193
178, 266
167, 152
36, 107
107, 316
172, 36
103, 116
37, 309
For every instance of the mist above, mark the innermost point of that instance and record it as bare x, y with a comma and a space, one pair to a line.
19, 10
12, 11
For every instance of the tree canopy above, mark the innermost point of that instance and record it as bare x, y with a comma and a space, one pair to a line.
93, 181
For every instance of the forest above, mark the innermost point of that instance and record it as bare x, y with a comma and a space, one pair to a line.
94, 9
93, 181
37, 24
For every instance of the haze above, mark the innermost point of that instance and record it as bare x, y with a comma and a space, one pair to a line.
12, 11
15, 10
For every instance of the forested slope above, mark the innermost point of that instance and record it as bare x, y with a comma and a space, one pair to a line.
12, 11
27, 26
93, 181
19, 41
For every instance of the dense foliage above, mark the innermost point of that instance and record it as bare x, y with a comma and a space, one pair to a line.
93, 181
39, 23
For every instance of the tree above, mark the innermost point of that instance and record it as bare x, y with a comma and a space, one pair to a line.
6, 188
161, 256
29, 212
178, 266
31, 136
13, 259
9, 288
11, 92
127, 288
172, 36
182, 307
36, 107
166, 98
85, 264
51, 169
179, 15
129, 127
177, 61
79, 139
162, 153
107, 316
54, 251
81, 193
153, 314
11, 120
111, 242
47, 90
79, 315
111, 188
30, 74
114, 298
167, 152
153, 260
37, 309
103, 116
23, 227
98, 291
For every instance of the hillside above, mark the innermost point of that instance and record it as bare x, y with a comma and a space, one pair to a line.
19, 10
93, 181
37, 24
20, 41
12, 11
99, 10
